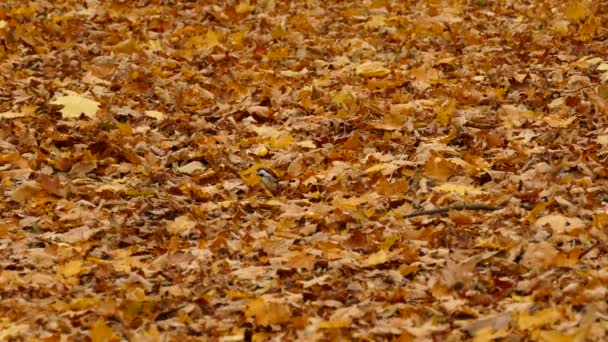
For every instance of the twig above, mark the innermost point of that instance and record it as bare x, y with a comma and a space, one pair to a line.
597, 243
474, 206
482, 207
571, 91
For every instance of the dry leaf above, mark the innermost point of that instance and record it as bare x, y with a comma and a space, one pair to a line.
101, 332
267, 313
181, 225
372, 69
75, 105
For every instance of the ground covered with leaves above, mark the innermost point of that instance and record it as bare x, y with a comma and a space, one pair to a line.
139, 143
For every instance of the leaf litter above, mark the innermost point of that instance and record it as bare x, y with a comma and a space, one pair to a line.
303, 170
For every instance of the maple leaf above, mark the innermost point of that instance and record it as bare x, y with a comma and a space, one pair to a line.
244, 7
377, 258
155, 114
460, 189
528, 321
375, 22
372, 69
75, 104
101, 332
576, 10
268, 313
181, 225
445, 111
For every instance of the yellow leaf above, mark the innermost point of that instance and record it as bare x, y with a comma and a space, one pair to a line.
306, 144
101, 332
279, 53
602, 91
533, 215
281, 142
244, 7
236, 39
377, 258
527, 321
460, 189
488, 334
74, 104
555, 336
249, 176
29, 109
556, 121
589, 27
125, 129
576, 10
491, 242
389, 167
84, 303
500, 93
154, 114
372, 69
265, 131
344, 99
278, 32
350, 203
560, 26
514, 116
406, 270
12, 115
212, 39
446, 111
389, 241
267, 313
376, 21
261, 151
335, 324
232, 295
71, 268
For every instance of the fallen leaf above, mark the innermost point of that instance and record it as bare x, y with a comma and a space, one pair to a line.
377, 258
372, 69
101, 332
192, 167
75, 104
460, 189
546, 317
155, 114
267, 313
181, 225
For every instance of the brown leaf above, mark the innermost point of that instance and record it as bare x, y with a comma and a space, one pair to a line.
52, 185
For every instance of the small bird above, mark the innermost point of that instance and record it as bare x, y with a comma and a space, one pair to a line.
268, 179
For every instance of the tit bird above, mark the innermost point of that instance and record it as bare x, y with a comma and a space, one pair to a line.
268, 179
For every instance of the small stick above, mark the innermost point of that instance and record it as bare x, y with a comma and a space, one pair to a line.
571, 91
597, 243
482, 207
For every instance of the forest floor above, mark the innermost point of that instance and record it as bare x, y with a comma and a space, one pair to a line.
303, 170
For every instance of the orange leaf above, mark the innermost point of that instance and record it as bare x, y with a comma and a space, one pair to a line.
301, 260
533, 215
101, 332
446, 111
268, 313
438, 168
528, 321
52, 185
